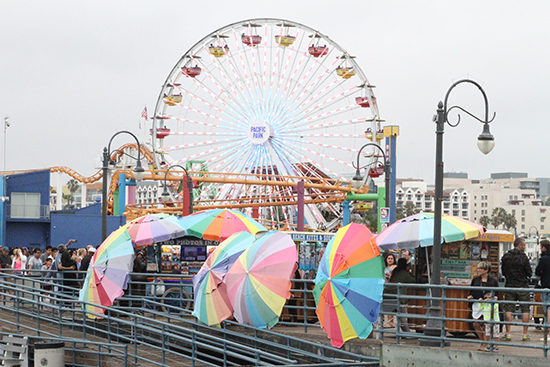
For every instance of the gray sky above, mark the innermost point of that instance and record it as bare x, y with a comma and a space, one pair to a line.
72, 73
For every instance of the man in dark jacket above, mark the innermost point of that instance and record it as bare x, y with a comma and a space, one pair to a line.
517, 270
543, 271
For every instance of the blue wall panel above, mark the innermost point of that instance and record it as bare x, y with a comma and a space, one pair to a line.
30, 234
85, 228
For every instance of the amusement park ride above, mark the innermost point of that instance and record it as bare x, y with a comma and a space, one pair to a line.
252, 110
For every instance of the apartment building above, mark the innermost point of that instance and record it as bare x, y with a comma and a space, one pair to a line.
456, 201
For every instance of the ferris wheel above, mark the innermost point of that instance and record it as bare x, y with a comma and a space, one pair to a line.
265, 96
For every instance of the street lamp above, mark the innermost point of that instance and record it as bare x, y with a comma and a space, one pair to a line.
357, 180
538, 237
485, 143
139, 174
165, 196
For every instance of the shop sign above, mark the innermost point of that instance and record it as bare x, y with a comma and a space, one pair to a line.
311, 237
452, 274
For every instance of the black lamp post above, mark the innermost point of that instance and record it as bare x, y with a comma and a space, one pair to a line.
485, 143
538, 237
139, 173
166, 195
358, 179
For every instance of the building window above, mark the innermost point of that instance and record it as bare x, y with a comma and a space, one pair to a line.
25, 205
522, 212
523, 219
542, 226
523, 226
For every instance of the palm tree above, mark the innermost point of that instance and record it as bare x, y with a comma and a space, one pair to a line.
484, 221
497, 217
73, 186
509, 222
406, 211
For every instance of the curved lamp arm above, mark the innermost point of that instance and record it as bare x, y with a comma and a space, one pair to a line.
485, 140
139, 172
357, 167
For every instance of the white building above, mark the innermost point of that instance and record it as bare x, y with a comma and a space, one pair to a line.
148, 192
456, 201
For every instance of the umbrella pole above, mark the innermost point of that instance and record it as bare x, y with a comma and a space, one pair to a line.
428, 265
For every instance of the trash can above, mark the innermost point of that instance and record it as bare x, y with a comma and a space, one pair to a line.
50, 354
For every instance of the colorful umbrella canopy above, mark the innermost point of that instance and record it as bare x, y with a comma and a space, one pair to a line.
418, 230
349, 284
211, 305
153, 228
258, 283
219, 224
107, 275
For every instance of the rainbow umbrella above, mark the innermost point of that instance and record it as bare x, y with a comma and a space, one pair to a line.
258, 283
107, 275
219, 224
349, 285
211, 305
418, 231
152, 228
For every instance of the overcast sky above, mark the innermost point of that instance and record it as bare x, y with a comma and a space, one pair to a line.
72, 73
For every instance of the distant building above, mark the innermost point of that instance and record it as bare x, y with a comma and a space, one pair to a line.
148, 192
504, 175
27, 218
455, 202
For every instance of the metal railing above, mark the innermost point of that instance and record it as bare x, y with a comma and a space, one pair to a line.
160, 297
19, 211
158, 331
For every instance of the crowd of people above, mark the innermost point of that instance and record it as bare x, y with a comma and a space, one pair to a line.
517, 272
61, 263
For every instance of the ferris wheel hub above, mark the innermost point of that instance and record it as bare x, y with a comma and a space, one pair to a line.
259, 132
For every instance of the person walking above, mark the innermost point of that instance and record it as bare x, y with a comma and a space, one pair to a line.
390, 263
483, 281
5, 260
85, 264
46, 254
17, 262
402, 275
543, 271
517, 271
35, 264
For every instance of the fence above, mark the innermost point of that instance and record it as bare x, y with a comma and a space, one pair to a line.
157, 331
157, 297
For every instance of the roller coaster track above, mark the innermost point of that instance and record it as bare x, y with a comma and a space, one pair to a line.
328, 190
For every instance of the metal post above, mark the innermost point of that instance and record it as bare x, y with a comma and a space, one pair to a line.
106, 159
300, 191
104, 194
189, 192
435, 327
387, 173
345, 212
440, 125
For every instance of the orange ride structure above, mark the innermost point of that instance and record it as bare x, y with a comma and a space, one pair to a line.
317, 190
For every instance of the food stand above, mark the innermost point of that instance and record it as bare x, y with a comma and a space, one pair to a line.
459, 265
178, 260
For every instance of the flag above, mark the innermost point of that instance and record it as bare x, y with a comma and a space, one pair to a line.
144, 113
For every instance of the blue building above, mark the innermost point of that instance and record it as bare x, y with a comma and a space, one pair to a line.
26, 220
